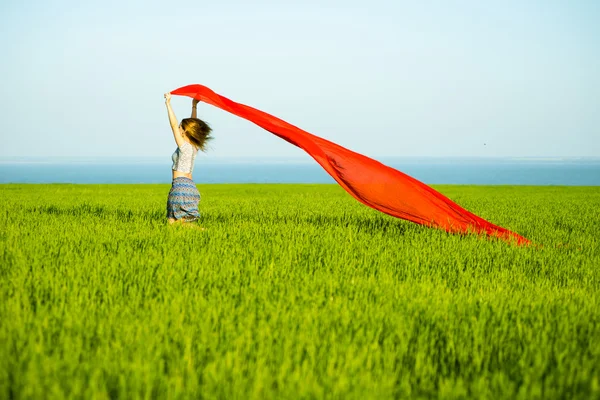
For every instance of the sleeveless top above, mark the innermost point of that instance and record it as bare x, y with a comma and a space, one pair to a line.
184, 157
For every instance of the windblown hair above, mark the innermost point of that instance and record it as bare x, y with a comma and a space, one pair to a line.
197, 131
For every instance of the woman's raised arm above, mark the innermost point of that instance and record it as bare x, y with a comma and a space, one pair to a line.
194, 103
173, 121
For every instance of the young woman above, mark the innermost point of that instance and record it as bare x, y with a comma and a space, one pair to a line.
190, 135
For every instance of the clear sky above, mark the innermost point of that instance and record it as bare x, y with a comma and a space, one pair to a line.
383, 78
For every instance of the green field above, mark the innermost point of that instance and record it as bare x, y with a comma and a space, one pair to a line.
295, 291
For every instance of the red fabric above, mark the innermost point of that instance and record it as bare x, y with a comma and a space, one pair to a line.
368, 181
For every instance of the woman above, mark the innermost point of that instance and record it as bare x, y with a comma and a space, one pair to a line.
190, 135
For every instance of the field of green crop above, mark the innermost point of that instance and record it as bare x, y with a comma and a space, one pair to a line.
295, 291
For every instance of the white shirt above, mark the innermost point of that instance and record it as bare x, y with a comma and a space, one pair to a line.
184, 157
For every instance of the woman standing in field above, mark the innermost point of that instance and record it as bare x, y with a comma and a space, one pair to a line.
190, 135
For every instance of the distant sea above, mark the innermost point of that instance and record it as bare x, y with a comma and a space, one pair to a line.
472, 171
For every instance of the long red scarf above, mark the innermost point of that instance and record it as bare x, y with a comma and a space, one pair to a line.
368, 181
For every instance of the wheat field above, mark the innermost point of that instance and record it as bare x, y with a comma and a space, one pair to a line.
295, 291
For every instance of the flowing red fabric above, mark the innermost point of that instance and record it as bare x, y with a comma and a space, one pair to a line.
368, 181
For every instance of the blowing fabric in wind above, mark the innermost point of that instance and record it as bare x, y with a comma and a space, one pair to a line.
367, 180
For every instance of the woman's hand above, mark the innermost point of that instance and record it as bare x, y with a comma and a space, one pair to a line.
195, 102
167, 97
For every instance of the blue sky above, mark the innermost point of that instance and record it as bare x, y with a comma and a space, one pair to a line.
383, 78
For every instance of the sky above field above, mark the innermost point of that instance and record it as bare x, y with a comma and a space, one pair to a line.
383, 78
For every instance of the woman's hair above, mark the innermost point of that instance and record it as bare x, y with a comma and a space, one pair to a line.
197, 131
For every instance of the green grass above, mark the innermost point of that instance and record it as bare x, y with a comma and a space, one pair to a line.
295, 291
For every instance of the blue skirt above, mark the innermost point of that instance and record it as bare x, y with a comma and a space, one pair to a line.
183, 200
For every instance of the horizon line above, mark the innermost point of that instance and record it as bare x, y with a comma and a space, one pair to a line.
271, 159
